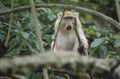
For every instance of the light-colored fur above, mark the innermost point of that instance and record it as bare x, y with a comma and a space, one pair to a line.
67, 40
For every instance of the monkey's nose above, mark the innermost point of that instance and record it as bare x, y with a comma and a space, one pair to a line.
68, 28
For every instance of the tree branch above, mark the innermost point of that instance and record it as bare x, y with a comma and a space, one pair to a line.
37, 27
58, 30
64, 6
117, 4
71, 74
67, 60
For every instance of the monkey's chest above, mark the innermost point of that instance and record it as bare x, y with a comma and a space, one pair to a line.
67, 42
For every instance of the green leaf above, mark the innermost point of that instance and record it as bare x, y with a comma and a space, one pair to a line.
2, 37
97, 42
117, 36
51, 17
117, 43
86, 0
104, 49
74, 0
88, 16
36, 76
95, 28
26, 35
98, 34
91, 32
52, 37
19, 24
82, 20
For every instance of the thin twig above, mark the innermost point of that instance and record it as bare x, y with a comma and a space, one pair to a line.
80, 43
76, 32
58, 30
10, 25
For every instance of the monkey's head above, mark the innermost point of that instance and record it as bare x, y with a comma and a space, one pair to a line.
68, 20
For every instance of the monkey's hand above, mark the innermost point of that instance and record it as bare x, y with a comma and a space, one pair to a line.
82, 49
85, 44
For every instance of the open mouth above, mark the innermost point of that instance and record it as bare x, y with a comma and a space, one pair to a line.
68, 28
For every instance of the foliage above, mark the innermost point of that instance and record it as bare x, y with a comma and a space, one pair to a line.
103, 42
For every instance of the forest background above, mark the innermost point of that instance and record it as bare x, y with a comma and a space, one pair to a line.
17, 29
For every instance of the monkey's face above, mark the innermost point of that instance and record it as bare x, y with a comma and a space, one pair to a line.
67, 23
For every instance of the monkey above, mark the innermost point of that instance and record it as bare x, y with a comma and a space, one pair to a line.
66, 39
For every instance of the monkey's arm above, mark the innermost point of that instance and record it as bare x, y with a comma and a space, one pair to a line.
75, 47
83, 37
56, 26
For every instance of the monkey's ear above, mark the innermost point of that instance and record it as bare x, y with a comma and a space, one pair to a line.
59, 15
76, 14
